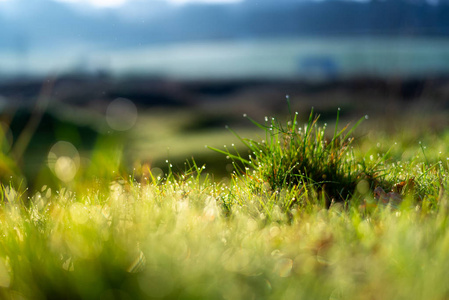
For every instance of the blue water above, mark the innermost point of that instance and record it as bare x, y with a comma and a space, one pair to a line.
269, 58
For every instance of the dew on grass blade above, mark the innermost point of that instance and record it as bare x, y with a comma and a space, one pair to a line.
121, 114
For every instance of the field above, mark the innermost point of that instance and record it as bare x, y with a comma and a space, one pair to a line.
295, 209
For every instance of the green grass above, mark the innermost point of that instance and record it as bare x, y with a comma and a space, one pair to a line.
295, 157
297, 220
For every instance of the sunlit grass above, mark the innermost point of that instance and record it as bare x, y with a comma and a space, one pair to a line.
269, 232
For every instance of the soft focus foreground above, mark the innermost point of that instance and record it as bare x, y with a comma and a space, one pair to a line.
187, 237
173, 241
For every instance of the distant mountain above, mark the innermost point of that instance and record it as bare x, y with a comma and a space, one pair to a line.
43, 24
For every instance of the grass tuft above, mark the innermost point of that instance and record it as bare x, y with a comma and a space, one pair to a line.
304, 159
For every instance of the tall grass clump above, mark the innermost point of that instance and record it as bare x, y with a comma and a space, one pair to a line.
306, 159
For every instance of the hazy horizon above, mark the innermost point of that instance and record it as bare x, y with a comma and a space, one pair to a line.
163, 37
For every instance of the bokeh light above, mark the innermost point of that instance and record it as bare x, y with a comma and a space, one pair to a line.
157, 173
64, 160
363, 187
121, 114
65, 168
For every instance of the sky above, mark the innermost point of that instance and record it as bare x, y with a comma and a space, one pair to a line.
118, 3
173, 38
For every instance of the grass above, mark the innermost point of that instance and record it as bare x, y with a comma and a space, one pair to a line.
303, 158
297, 220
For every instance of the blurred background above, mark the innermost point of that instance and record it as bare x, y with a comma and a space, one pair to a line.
93, 86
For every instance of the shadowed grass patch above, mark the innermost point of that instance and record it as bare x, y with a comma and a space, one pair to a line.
304, 158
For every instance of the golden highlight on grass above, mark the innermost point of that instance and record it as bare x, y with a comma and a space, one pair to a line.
271, 232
